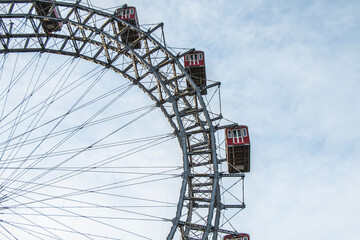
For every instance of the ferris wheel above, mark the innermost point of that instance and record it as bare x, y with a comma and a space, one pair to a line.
83, 151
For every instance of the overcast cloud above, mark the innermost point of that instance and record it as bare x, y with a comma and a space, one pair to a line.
290, 71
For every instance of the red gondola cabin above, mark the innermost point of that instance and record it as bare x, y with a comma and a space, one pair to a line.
240, 236
195, 67
238, 149
49, 9
129, 15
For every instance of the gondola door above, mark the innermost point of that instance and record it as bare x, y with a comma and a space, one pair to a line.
126, 14
237, 136
194, 60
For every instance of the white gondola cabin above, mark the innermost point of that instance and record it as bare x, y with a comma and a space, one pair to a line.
238, 149
49, 9
240, 236
129, 15
195, 66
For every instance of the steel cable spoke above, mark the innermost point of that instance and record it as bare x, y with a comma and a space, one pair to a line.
62, 131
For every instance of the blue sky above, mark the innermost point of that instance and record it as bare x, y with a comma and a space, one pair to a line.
290, 71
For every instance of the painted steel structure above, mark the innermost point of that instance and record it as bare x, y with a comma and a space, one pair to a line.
195, 66
49, 9
129, 15
200, 205
238, 149
240, 236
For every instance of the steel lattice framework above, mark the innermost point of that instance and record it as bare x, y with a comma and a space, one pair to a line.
93, 35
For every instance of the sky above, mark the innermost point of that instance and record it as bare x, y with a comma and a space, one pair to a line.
290, 71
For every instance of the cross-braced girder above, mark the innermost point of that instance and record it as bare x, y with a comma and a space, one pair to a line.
94, 35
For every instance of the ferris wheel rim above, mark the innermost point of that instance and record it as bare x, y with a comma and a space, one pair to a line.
179, 127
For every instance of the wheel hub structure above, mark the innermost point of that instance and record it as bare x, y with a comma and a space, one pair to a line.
93, 35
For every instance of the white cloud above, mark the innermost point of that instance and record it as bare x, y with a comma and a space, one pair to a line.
289, 70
